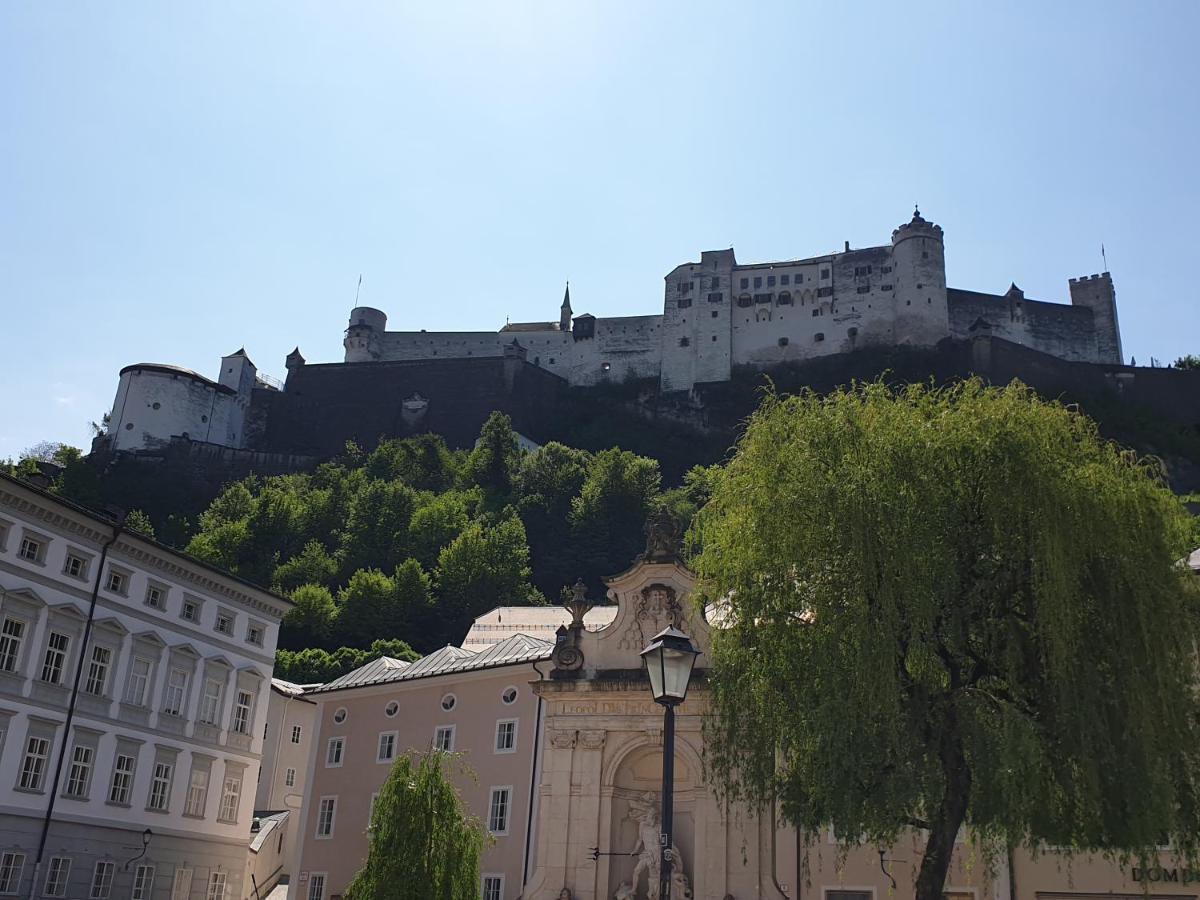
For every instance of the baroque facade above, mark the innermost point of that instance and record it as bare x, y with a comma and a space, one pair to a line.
566, 746
159, 752
717, 315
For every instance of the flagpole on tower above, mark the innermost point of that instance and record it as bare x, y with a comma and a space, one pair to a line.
1104, 256
357, 289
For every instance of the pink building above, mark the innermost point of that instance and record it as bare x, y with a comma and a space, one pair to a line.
566, 745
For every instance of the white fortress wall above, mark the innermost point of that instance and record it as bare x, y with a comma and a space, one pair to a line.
154, 403
622, 347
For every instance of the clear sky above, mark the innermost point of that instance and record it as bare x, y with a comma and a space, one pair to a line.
179, 180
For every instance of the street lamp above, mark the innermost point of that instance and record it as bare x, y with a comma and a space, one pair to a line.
669, 660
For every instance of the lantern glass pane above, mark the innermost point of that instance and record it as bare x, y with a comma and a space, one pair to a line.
677, 669
654, 669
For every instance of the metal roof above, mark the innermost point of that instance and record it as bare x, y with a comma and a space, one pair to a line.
542, 622
519, 648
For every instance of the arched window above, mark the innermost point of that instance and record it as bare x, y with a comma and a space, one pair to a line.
745, 300
785, 298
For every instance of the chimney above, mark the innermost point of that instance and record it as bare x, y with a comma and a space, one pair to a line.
847, 246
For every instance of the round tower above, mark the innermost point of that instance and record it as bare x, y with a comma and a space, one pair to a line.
919, 274
364, 334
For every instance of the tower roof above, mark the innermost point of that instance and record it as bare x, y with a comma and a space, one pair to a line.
566, 304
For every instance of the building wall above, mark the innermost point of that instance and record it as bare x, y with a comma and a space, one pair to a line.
285, 758
477, 709
43, 597
1067, 332
151, 406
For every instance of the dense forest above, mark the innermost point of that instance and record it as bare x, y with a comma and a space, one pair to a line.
398, 549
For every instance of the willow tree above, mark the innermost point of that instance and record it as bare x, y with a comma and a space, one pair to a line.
423, 845
952, 606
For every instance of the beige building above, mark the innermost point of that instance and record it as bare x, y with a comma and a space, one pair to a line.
566, 745
291, 719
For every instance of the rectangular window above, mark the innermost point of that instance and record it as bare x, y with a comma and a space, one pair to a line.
154, 597
122, 779
224, 623
825, 292
216, 886
176, 691
506, 736
864, 289
334, 752
493, 887
297, 731
716, 297
316, 886
745, 283
498, 808
886, 270
160, 787
30, 550
137, 682
758, 281
254, 635
143, 883
289, 777
97, 678
55, 658
885, 287
33, 766
824, 274
75, 567
116, 582
197, 795
387, 747
770, 281
443, 738
80, 778
189, 611
860, 271
325, 816
11, 865
210, 703
57, 874
231, 796
241, 712
102, 877
684, 302
181, 885
12, 633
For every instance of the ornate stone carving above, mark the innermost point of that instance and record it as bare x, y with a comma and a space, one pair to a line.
562, 740
664, 537
657, 607
644, 812
592, 740
565, 894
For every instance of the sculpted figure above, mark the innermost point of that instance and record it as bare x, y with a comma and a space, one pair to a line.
644, 811
624, 891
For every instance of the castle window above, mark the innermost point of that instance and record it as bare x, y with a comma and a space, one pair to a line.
885, 287
204, 418
758, 281
851, 332
552, 360
886, 270
715, 314
859, 271
762, 298
156, 405
825, 292
129, 426
745, 283
819, 336
714, 283
605, 367
824, 274
714, 338
783, 342
864, 289
770, 281
924, 254
785, 280
799, 278
785, 299
743, 301
716, 298
684, 303
683, 342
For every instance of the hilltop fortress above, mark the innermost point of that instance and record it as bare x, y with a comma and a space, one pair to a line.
717, 315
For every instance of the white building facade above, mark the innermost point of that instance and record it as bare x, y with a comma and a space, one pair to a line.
159, 759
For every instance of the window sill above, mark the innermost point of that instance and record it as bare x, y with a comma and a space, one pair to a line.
78, 798
158, 812
21, 790
114, 803
196, 816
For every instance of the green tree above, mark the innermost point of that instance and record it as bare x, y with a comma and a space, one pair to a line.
953, 606
1190, 361
423, 844
377, 525
316, 666
482, 568
136, 520
313, 565
609, 515
439, 522
494, 460
312, 618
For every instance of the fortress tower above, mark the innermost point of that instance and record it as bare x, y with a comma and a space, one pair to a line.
364, 334
919, 271
1096, 293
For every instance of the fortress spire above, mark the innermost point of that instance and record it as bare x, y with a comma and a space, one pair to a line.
564, 315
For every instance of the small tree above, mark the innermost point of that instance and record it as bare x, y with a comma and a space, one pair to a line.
1190, 361
953, 606
422, 843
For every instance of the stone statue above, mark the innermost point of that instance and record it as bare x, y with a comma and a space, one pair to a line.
644, 811
624, 892
664, 536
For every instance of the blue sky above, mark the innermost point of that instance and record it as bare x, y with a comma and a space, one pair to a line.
178, 180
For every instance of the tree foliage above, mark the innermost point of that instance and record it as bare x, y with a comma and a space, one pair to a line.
423, 845
1190, 361
314, 665
951, 606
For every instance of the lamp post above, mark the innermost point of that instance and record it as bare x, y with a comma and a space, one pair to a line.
669, 659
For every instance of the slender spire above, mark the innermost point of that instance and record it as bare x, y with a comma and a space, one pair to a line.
566, 304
